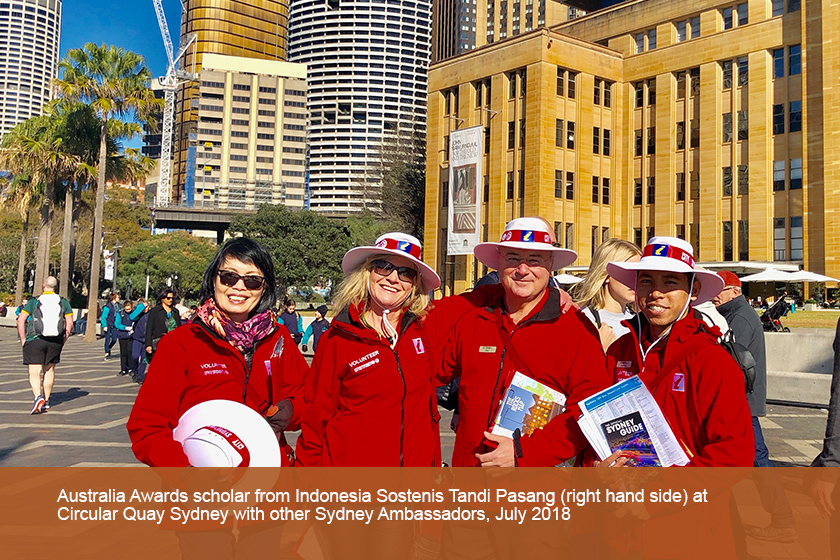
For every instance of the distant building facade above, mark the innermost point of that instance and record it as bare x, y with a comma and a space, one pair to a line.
251, 133
711, 121
30, 32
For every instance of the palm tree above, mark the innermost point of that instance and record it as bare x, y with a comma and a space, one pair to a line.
114, 82
17, 194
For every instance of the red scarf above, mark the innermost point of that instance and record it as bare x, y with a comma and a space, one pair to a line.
242, 336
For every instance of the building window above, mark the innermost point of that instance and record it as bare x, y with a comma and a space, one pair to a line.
795, 174
681, 135
511, 135
695, 27
796, 253
779, 239
638, 142
570, 236
651, 190
743, 240
694, 185
694, 76
793, 5
680, 187
779, 119
681, 77
596, 188
605, 191
637, 237
682, 28
651, 233
558, 133
651, 138
558, 183
651, 39
594, 239
778, 63
606, 148
596, 140
680, 231
794, 60
510, 185
486, 139
522, 133
728, 21
727, 181
726, 67
637, 192
695, 133
571, 85
727, 127
521, 184
795, 119
558, 230
778, 7
444, 196
743, 125
570, 185
596, 99
727, 241
570, 135
561, 81
743, 179
640, 94
651, 84
512, 83
695, 239
608, 94
743, 71
743, 14
779, 175
486, 190
640, 42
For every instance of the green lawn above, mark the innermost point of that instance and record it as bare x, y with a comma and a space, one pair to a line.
811, 319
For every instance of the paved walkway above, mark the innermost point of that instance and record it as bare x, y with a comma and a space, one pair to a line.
91, 404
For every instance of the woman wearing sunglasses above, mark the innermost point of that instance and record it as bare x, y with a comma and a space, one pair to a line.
371, 398
233, 350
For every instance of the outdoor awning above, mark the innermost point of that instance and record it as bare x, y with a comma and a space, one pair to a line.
769, 275
805, 276
566, 279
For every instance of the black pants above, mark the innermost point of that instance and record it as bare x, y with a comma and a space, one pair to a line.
125, 354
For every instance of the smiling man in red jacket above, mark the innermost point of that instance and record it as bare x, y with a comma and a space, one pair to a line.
698, 386
525, 331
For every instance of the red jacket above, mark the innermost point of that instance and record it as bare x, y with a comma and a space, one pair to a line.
191, 366
561, 350
370, 405
702, 395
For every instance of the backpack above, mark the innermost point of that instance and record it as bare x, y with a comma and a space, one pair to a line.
742, 356
47, 319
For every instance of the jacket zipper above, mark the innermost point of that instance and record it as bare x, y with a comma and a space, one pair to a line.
496, 387
402, 404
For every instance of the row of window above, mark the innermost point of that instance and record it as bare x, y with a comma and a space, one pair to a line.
796, 239
794, 120
600, 190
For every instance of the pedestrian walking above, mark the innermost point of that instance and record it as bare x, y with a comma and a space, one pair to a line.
163, 318
140, 316
606, 301
292, 320
316, 328
124, 328
43, 325
107, 321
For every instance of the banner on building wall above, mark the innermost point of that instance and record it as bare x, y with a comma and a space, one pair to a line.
109, 264
464, 223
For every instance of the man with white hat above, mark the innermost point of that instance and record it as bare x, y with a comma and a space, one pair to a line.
697, 384
525, 331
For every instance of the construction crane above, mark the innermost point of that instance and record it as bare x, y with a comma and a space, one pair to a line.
170, 82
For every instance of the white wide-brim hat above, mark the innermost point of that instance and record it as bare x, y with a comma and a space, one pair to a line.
222, 433
394, 243
530, 234
668, 254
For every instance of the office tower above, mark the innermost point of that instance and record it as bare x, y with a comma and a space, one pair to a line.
367, 64
29, 42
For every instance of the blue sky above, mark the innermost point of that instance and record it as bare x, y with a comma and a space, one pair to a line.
131, 24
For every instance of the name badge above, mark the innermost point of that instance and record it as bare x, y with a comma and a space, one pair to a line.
486, 349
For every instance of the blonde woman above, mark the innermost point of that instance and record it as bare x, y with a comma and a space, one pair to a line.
371, 390
604, 299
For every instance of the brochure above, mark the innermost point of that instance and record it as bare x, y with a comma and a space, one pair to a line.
629, 403
528, 405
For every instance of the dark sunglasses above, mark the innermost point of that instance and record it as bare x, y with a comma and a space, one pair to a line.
384, 268
229, 278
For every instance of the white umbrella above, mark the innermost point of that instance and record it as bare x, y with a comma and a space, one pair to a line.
566, 279
769, 275
805, 276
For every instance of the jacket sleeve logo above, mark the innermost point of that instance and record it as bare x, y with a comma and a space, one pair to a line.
678, 384
418, 345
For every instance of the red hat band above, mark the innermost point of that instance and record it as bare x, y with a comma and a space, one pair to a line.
526, 236
669, 251
234, 442
403, 246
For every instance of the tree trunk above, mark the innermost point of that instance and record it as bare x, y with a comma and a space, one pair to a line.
66, 272
95, 254
22, 261
42, 257
76, 206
